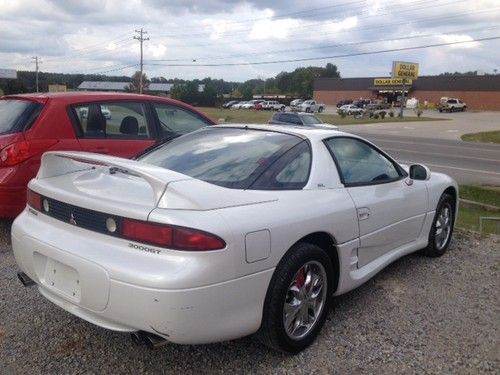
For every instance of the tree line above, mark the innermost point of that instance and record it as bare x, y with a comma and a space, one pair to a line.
297, 83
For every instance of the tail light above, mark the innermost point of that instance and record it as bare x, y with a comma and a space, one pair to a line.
34, 200
18, 152
173, 237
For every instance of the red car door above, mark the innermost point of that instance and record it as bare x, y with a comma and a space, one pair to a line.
119, 128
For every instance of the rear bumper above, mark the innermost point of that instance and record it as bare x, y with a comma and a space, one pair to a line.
88, 287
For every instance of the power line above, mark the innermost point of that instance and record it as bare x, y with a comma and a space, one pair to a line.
141, 40
330, 57
329, 45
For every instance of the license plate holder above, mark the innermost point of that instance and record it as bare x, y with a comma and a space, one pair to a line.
62, 278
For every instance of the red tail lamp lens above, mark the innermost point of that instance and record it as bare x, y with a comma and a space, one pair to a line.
173, 237
34, 200
18, 152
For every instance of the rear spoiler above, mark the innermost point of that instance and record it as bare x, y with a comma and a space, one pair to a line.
58, 163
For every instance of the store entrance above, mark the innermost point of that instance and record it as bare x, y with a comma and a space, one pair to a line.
392, 97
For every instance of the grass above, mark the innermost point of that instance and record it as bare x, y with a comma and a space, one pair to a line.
482, 194
468, 217
486, 137
262, 117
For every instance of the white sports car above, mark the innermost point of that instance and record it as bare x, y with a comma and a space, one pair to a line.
226, 231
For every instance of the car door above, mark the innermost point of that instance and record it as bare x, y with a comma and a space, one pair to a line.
119, 128
390, 210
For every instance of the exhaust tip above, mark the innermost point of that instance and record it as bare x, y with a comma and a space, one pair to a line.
25, 280
151, 340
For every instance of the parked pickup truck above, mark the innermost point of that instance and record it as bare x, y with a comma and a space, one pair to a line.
451, 105
310, 106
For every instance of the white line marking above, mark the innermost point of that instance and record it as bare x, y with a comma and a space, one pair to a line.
452, 131
448, 167
437, 154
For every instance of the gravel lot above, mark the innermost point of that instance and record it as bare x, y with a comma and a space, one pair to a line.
419, 315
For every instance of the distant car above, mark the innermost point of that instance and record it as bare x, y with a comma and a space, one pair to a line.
31, 124
251, 104
296, 102
273, 105
229, 103
310, 106
238, 105
452, 105
297, 118
343, 102
225, 232
350, 109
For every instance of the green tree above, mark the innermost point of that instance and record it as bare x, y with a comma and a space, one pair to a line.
134, 84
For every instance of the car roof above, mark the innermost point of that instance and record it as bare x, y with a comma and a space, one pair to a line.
312, 132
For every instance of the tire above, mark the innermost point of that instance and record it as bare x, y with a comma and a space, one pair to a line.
349, 113
283, 290
439, 238
308, 110
320, 109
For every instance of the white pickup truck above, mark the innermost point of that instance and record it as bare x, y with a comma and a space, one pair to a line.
451, 105
310, 106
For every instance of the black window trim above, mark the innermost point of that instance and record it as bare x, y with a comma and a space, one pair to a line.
27, 118
401, 172
77, 126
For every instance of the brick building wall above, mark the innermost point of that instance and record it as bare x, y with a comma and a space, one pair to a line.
478, 92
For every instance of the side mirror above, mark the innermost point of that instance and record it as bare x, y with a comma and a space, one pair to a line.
419, 172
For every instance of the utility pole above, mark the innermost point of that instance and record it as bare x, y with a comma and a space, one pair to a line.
37, 61
141, 40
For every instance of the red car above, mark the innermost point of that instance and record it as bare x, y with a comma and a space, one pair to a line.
109, 123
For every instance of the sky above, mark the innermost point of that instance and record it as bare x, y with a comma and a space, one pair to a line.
240, 40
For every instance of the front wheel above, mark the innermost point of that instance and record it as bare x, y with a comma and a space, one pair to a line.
297, 299
442, 227
308, 110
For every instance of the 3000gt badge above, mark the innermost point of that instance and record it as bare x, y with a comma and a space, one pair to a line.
144, 248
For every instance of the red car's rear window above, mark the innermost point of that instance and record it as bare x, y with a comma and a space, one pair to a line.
17, 115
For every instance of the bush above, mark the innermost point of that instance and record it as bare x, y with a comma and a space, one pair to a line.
343, 114
376, 116
419, 112
382, 114
370, 114
391, 113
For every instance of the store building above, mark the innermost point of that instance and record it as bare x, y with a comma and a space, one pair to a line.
478, 92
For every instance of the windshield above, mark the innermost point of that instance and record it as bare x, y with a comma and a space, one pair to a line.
229, 157
15, 114
310, 120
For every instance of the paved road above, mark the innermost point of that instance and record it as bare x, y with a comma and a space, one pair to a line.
467, 162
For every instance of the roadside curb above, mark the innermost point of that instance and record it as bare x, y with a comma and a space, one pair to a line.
473, 204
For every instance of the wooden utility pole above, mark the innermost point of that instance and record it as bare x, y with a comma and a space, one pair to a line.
37, 61
141, 40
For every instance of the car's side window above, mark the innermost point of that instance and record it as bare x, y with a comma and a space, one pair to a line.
361, 164
113, 120
175, 120
289, 172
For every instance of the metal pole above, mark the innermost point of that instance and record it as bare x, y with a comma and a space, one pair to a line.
402, 98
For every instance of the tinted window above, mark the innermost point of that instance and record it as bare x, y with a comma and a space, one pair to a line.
359, 163
16, 115
310, 120
227, 157
290, 118
113, 120
175, 120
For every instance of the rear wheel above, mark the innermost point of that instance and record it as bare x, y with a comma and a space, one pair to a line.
320, 109
297, 299
442, 227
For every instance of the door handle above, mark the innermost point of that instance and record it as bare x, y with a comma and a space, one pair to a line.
363, 213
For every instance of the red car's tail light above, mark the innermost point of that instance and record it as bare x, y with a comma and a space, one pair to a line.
18, 152
173, 237
34, 200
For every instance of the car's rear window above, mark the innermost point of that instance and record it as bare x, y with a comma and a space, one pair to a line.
237, 158
16, 115
311, 120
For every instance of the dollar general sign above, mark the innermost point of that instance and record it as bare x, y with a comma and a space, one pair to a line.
402, 69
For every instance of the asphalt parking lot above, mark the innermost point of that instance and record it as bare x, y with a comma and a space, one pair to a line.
418, 316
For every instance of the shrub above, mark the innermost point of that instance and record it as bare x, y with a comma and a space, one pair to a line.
382, 114
419, 112
343, 114
391, 113
370, 114
376, 116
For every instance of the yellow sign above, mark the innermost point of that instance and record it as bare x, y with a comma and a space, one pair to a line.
391, 82
402, 69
